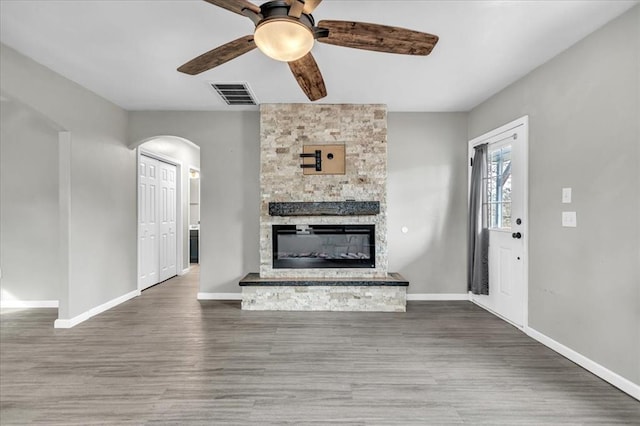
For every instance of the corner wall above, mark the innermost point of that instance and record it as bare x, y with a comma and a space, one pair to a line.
101, 258
427, 195
584, 118
29, 234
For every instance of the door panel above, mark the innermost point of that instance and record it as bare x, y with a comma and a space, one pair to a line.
507, 206
168, 251
148, 225
506, 275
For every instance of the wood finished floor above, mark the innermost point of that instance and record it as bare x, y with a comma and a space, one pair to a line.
166, 358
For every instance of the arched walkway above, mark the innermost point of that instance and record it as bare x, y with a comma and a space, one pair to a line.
185, 156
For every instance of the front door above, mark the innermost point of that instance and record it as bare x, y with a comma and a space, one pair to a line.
507, 220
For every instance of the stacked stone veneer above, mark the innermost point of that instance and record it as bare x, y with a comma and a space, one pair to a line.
325, 298
284, 130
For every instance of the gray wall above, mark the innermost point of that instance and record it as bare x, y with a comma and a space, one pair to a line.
229, 194
427, 194
583, 107
29, 237
188, 155
102, 256
426, 190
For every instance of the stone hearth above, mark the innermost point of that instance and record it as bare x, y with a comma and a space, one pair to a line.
312, 294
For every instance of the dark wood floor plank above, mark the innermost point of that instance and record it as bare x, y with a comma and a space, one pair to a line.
166, 358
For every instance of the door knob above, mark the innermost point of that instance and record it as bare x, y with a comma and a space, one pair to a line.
516, 235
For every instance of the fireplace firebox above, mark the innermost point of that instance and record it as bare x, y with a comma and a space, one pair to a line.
324, 246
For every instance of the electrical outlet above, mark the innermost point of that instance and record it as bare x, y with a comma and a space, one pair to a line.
566, 195
569, 219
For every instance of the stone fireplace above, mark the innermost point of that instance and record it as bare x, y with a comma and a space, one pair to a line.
324, 230
284, 131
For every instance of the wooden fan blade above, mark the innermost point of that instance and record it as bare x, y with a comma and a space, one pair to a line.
295, 8
379, 38
299, 7
236, 6
307, 73
219, 55
310, 6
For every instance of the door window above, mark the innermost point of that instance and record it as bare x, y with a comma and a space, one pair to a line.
499, 187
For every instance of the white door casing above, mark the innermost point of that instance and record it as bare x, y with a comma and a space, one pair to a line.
157, 219
508, 237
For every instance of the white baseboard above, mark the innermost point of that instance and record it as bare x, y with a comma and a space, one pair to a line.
604, 373
185, 271
219, 296
68, 323
28, 304
437, 296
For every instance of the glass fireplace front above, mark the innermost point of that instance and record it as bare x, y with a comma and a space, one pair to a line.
324, 246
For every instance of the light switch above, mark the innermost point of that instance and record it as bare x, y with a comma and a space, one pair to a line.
569, 219
566, 195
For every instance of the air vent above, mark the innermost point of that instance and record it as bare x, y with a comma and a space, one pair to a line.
235, 93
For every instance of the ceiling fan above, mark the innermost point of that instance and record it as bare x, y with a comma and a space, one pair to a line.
286, 31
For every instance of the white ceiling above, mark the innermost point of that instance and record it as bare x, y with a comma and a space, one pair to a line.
128, 51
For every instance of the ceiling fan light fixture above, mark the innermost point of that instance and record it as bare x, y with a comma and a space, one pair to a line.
285, 31
283, 39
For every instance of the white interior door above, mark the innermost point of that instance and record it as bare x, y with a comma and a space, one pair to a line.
508, 235
148, 221
157, 212
168, 243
